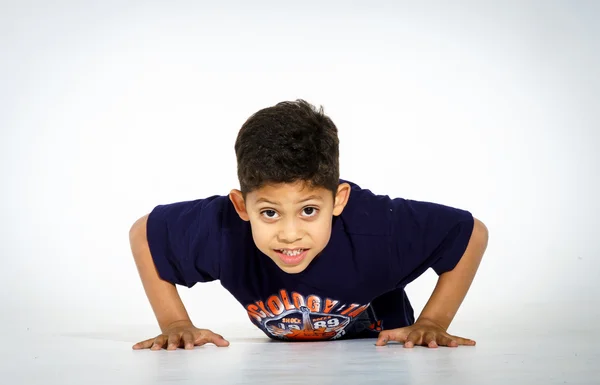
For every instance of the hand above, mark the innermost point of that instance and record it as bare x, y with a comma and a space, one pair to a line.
424, 333
182, 336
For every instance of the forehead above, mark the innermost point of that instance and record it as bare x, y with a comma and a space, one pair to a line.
288, 193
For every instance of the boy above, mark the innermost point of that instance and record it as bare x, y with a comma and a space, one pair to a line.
309, 256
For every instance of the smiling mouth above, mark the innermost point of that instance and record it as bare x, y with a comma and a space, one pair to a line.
291, 257
291, 252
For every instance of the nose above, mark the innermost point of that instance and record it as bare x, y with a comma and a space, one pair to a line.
290, 231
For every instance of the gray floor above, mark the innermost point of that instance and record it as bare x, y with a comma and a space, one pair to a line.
535, 348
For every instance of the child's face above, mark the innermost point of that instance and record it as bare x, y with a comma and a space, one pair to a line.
291, 223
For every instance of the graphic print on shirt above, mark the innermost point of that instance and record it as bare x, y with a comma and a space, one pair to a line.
303, 318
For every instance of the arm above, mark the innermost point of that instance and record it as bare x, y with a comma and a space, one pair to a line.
451, 289
452, 286
164, 299
176, 327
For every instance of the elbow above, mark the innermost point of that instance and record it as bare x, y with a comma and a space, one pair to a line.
138, 229
480, 235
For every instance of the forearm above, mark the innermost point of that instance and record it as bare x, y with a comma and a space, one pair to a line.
162, 295
452, 286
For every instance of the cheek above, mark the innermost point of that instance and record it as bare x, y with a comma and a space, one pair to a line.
261, 233
321, 231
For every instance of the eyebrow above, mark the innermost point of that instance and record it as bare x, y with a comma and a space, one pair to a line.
265, 200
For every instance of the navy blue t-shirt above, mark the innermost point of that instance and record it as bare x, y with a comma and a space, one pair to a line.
353, 289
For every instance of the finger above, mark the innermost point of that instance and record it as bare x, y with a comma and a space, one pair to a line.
429, 339
159, 342
414, 338
173, 342
463, 341
398, 335
383, 338
188, 340
143, 344
447, 340
218, 340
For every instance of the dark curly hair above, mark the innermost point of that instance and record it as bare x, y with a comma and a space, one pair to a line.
287, 143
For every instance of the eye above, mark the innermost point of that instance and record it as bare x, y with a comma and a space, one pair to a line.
270, 214
310, 211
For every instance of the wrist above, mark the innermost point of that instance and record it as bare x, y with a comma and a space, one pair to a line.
177, 323
431, 322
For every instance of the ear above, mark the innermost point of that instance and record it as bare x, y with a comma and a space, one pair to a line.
236, 197
341, 198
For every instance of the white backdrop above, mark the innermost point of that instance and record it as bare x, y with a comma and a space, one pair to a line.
110, 108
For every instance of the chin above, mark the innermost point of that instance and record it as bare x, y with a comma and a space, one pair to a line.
293, 269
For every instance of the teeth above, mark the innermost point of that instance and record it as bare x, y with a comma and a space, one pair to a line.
292, 253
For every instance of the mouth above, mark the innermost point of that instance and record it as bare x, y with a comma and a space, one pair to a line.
291, 256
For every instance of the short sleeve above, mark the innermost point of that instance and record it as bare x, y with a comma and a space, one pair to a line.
427, 235
184, 239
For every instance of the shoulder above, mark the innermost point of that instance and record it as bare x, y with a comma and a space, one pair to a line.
369, 213
366, 212
211, 214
